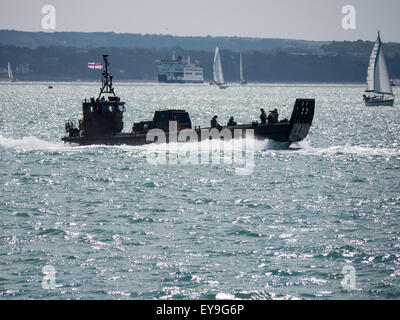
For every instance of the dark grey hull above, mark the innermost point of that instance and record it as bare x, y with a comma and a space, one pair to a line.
290, 131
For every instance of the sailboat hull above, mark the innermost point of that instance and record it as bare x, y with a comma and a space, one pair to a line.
376, 103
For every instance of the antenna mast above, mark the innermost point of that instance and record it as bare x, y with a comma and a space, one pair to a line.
107, 78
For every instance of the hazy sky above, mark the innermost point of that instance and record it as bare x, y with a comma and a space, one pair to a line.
294, 19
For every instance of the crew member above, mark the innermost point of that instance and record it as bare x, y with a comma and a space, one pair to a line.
273, 116
263, 116
231, 122
214, 122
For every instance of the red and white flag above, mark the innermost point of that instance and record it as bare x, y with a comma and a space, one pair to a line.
95, 65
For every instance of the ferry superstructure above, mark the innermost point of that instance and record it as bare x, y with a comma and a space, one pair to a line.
179, 70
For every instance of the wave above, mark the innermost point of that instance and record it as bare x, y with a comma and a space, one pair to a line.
31, 143
352, 150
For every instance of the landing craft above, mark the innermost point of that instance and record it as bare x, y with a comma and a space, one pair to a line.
102, 122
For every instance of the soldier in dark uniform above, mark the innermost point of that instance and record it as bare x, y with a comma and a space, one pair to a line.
263, 116
231, 122
214, 122
273, 116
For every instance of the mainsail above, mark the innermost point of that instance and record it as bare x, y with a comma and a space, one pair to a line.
378, 77
10, 74
241, 69
218, 75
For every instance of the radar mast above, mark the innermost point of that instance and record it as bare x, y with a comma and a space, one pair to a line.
107, 78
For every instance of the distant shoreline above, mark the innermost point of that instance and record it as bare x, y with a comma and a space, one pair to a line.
206, 83
270, 62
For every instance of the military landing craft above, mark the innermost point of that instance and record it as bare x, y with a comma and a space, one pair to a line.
102, 122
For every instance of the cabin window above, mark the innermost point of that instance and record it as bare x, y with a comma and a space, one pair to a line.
88, 108
121, 108
182, 118
106, 109
161, 117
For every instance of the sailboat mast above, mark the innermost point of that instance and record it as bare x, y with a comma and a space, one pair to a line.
10, 74
241, 68
381, 82
215, 64
218, 75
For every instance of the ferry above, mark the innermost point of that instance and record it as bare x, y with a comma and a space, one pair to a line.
179, 70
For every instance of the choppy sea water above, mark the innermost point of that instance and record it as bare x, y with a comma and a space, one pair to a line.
114, 226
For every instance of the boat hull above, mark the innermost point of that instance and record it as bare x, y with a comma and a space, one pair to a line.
278, 132
222, 85
181, 81
376, 103
293, 130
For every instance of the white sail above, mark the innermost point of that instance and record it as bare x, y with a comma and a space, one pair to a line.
378, 77
218, 75
241, 69
10, 74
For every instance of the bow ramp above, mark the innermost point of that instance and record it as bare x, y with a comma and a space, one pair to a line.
301, 119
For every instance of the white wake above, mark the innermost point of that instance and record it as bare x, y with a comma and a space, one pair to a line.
32, 143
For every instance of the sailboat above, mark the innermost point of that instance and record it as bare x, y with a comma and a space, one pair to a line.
242, 81
379, 91
218, 75
10, 74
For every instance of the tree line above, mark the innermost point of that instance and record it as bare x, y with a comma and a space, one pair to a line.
333, 62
